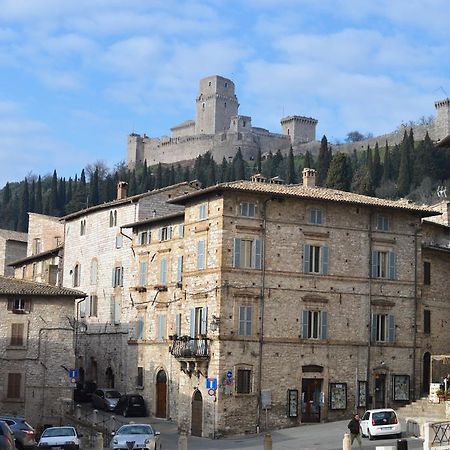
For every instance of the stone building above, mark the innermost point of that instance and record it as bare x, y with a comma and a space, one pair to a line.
97, 260
302, 303
13, 245
45, 246
36, 348
219, 129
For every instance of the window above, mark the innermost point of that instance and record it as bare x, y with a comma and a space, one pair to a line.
117, 276
179, 269
315, 259
82, 227
245, 321
314, 324
140, 377
93, 304
164, 233
202, 211
113, 218
94, 271
83, 308
144, 237
140, 328
161, 327
143, 273
14, 385
248, 209
76, 275
17, 334
383, 223
198, 322
316, 216
58, 241
163, 271
383, 328
383, 264
247, 253
201, 255
426, 321
426, 273
19, 305
178, 324
36, 246
116, 307
119, 241
181, 230
243, 381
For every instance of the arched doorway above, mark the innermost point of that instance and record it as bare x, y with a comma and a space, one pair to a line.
161, 394
197, 414
109, 375
426, 369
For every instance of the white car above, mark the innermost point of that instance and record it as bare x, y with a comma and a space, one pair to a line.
136, 436
59, 438
380, 422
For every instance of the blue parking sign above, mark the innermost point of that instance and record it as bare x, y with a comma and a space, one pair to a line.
211, 383
73, 373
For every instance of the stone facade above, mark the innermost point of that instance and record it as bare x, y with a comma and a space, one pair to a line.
36, 349
218, 129
13, 245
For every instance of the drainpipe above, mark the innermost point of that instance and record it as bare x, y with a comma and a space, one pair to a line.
415, 313
370, 304
261, 312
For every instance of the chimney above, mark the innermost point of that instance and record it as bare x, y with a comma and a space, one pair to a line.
309, 177
121, 190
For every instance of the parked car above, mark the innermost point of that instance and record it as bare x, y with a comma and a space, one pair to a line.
131, 405
6, 437
380, 422
24, 433
105, 399
83, 392
61, 437
141, 435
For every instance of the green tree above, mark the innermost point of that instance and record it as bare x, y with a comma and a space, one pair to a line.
258, 167
404, 172
387, 165
22, 222
377, 167
290, 168
238, 166
323, 161
339, 173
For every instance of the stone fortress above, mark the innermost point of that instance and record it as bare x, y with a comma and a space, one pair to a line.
219, 129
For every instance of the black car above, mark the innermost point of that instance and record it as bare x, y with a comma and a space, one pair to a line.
131, 405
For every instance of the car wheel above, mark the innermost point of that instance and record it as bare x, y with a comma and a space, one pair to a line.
370, 435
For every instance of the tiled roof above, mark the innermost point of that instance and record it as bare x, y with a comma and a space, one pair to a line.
37, 257
13, 235
14, 286
311, 193
153, 220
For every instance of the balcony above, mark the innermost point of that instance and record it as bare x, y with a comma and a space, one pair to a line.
192, 353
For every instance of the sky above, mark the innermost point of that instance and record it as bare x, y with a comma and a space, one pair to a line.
76, 77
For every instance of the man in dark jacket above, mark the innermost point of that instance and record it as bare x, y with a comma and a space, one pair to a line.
353, 426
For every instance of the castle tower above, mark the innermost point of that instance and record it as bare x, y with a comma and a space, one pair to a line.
300, 129
216, 104
442, 121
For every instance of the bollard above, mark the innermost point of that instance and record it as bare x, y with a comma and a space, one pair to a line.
346, 442
402, 444
182, 441
98, 444
267, 441
78, 412
94, 416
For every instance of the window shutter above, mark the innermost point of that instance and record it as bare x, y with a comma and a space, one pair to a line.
117, 310
373, 328
178, 324
204, 324
192, 323
306, 250
323, 325
83, 308
304, 324
88, 306
324, 268
140, 328
392, 266
201, 255
113, 277
237, 253
160, 234
121, 276
169, 232
27, 306
163, 271
179, 269
391, 328
257, 252
10, 304
161, 326
143, 274
374, 264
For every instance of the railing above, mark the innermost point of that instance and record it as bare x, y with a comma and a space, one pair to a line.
441, 431
185, 347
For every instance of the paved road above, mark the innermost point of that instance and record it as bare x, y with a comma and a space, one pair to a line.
324, 436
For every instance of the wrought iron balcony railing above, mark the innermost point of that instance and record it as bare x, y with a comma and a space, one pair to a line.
188, 348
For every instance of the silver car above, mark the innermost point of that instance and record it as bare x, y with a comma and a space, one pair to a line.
136, 436
105, 399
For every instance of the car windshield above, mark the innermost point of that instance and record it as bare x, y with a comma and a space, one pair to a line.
135, 429
112, 394
384, 418
136, 400
55, 432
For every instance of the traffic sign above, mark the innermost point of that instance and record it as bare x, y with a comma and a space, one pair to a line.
229, 374
211, 383
212, 392
73, 373
73, 380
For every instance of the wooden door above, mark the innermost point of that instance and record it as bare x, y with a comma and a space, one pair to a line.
197, 414
380, 390
311, 389
161, 394
426, 373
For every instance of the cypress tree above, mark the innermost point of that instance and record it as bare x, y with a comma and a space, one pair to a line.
323, 162
404, 172
158, 177
32, 196
38, 207
370, 172
53, 199
377, 168
171, 176
22, 220
339, 173
308, 163
238, 166
290, 168
94, 193
223, 172
387, 165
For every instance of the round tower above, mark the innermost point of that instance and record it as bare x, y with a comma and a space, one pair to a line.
215, 105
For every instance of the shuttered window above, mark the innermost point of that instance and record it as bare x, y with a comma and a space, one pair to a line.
314, 324
161, 327
93, 305
245, 321
17, 334
143, 273
201, 256
244, 381
163, 271
427, 321
14, 385
178, 324
383, 264
383, 328
247, 253
179, 269
315, 259
116, 308
140, 377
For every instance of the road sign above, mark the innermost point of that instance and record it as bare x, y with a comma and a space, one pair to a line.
212, 392
73, 373
229, 374
211, 383
73, 380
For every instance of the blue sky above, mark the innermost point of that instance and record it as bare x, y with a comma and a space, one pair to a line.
77, 77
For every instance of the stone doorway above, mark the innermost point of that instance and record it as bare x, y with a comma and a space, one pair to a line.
380, 390
197, 414
311, 389
161, 394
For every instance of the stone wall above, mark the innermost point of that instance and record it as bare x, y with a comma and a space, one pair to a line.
13, 246
48, 229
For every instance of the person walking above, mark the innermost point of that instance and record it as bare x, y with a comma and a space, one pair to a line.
355, 431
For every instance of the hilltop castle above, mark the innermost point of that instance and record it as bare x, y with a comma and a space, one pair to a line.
218, 128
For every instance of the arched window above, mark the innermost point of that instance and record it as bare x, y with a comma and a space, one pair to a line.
94, 271
76, 275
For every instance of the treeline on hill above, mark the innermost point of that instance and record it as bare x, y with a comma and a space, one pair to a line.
411, 169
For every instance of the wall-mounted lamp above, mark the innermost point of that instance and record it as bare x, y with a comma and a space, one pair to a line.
215, 322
